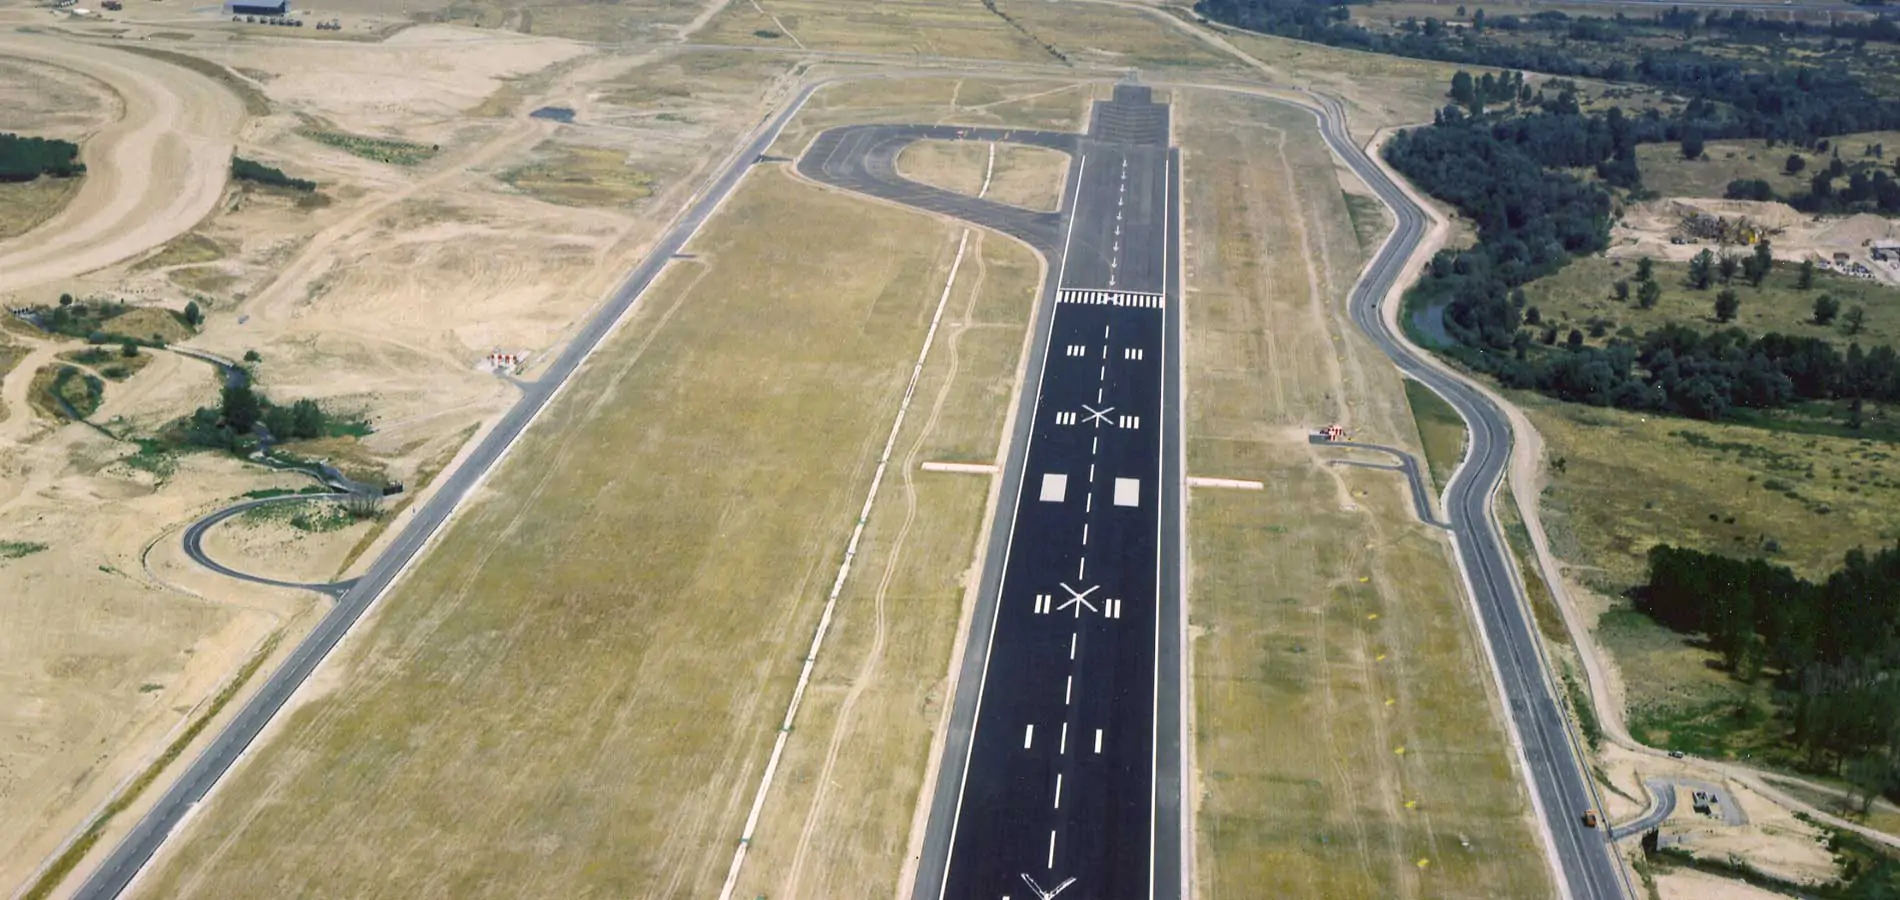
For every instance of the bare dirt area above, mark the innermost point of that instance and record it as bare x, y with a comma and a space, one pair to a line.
575, 735
380, 297
1030, 177
1347, 741
1657, 229
154, 168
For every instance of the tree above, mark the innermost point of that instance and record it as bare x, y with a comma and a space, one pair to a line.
1702, 270
1621, 289
1795, 164
1806, 279
308, 420
1648, 294
128, 349
1855, 318
239, 408
1727, 304
193, 315
1461, 90
1825, 309
65, 300
1691, 144
1533, 316
251, 356
1575, 340
1645, 269
1764, 260
1727, 266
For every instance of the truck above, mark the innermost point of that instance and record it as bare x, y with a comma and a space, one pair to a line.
1589, 818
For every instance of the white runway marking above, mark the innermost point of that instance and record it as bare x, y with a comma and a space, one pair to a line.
1098, 740
1029, 736
1065, 728
1068, 690
1127, 492
1058, 790
1063, 745
1055, 487
1052, 848
1085, 534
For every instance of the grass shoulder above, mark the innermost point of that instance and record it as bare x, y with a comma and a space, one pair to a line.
1440, 430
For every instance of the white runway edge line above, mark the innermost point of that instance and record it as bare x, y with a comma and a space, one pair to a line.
837, 585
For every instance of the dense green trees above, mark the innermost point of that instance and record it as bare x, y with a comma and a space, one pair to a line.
1834, 644
27, 158
250, 170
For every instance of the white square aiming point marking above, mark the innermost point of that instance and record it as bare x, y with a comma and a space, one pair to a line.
1127, 492
1054, 487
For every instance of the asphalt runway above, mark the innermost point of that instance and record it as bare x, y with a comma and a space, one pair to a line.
1061, 774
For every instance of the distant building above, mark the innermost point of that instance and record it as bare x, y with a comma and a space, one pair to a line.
258, 7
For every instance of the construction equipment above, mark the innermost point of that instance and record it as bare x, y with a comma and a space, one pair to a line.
1332, 433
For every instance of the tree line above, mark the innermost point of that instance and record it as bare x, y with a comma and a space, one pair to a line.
27, 158
1739, 99
1834, 644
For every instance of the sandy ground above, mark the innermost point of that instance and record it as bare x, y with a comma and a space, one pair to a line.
152, 172
1646, 229
1688, 884
382, 300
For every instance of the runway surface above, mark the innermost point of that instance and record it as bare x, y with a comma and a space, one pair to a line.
145, 838
1061, 774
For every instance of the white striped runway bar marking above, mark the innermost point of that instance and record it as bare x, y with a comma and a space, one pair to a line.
1065, 418
1136, 299
1044, 602
1130, 422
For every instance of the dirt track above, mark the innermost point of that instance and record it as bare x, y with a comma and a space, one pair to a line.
152, 174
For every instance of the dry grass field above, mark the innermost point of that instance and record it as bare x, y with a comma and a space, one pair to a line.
839, 822
1580, 296
1628, 481
610, 699
899, 27
1030, 177
1346, 736
1668, 174
24, 205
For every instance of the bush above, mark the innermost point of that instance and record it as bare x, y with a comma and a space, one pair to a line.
250, 170
128, 349
1825, 309
251, 356
27, 158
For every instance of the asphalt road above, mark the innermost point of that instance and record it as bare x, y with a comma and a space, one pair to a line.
1061, 772
1663, 808
126, 860
1559, 787
1407, 465
194, 538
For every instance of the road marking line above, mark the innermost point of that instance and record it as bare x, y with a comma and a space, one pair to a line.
1029, 735
1068, 690
1103, 375
1052, 848
1055, 487
1085, 534
1088, 505
1127, 491
1058, 790
1081, 566
1091, 473
1098, 740
1064, 746
1065, 728
1095, 444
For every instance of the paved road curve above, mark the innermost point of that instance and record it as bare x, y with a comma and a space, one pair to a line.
1559, 788
137, 848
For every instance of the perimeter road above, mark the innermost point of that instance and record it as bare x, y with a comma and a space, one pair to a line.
151, 832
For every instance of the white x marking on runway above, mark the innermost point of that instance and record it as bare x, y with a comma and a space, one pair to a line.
1099, 418
1078, 600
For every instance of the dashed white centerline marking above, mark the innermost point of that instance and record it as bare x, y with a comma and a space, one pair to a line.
1063, 747
1088, 504
1103, 376
1091, 473
1052, 848
1058, 790
1085, 534
1098, 740
1098, 394
1065, 726
1068, 690
1081, 567
1029, 736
